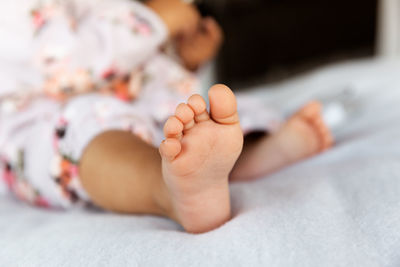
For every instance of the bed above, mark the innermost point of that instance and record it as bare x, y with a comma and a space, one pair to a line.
341, 208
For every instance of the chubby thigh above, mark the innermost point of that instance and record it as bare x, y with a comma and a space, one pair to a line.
41, 145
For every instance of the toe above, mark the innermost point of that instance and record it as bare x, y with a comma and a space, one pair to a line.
186, 115
318, 123
170, 148
327, 139
223, 106
199, 107
311, 110
173, 128
312, 113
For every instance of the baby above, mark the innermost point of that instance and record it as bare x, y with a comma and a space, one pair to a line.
90, 112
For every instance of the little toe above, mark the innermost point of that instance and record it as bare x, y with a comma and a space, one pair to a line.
223, 107
323, 134
173, 128
186, 115
327, 138
199, 107
170, 148
318, 123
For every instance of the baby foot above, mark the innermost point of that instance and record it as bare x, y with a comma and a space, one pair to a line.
306, 133
198, 153
303, 135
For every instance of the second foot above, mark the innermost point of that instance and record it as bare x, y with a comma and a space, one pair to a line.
307, 133
304, 134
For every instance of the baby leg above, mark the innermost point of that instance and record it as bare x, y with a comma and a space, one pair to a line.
122, 173
188, 182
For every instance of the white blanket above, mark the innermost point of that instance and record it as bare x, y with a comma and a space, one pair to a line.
341, 208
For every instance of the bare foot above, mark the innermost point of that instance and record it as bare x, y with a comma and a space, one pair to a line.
305, 134
198, 153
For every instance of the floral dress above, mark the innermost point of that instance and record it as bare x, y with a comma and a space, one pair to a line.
70, 70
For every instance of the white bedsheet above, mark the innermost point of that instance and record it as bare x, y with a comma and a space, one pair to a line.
341, 208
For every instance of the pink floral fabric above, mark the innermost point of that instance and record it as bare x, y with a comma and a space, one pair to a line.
88, 66
71, 70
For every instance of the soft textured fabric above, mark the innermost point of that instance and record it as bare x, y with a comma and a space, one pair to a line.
341, 208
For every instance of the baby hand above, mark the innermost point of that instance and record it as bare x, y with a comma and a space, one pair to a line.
199, 47
179, 17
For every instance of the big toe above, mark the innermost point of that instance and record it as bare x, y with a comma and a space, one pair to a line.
223, 107
311, 111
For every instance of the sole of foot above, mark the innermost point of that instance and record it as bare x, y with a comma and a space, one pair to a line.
198, 153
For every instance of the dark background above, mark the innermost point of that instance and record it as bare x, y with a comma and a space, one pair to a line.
268, 40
